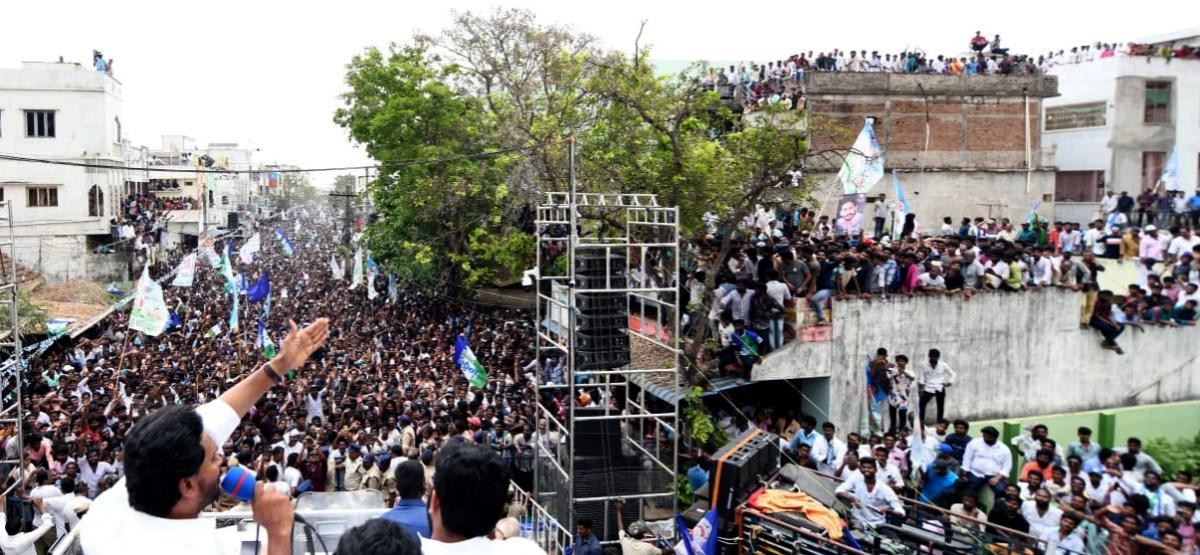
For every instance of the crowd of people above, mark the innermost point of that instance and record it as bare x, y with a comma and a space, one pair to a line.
383, 394
1079, 498
790, 263
755, 85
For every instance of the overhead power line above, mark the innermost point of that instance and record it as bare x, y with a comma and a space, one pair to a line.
381, 165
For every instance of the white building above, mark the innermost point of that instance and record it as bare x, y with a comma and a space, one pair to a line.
1117, 120
70, 113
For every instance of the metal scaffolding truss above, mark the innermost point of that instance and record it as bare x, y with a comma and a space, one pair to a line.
11, 412
637, 241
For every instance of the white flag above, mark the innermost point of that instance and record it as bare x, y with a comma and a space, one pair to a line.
186, 271
357, 275
371, 293
249, 248
150, 314
862, 167
336, 268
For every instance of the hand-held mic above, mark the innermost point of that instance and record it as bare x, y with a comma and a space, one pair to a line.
239, 483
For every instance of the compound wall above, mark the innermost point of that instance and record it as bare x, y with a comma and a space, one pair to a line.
1016, 355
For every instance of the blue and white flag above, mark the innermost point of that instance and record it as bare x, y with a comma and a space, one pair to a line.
1170, 175
902, 206
464, 359
186, 271
372, 270
284, 242
393, 291
862, 167
263, 342
1033, 212
702, 539
356, 275
251, 247
233, 314
150, 314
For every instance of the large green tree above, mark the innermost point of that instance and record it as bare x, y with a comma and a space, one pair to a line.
446, 222
504, 81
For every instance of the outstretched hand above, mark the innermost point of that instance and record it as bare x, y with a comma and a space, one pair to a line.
300, 343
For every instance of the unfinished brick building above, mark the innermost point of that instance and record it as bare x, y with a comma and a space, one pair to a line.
972, 162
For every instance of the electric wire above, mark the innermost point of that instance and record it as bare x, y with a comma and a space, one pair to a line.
380, 165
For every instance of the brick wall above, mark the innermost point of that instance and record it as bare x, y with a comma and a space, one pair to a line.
974, 122
964, 132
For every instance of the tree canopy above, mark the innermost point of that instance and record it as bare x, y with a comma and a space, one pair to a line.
491, 100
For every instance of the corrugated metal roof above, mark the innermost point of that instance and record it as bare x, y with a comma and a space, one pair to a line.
660, 386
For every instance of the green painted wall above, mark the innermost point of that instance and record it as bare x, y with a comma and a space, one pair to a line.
1170, 421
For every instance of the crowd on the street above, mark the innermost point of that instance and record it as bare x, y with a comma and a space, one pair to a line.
373, 408
788, 263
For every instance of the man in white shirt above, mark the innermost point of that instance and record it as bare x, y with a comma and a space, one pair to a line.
173, 471
1094, 238
1043, 269
92, 470
828, 450
44, 491
986, 459
1042, 516
870, 499
933, 377
1063, 539
932, 281
1108, 203
22, 544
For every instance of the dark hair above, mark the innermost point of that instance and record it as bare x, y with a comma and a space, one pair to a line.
272, 473
964, 423
935, 353
585, 522
162, 449
868, 461
471, 483
292, 459
410, 479
990, 431
67, 484
378, 536
1084, 430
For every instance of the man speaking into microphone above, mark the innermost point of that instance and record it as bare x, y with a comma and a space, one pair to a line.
173, 471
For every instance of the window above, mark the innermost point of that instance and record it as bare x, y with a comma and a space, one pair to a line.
1152, 167
39, 123
1076, 116
1078, 186
38, 197
1158, 102
95, 201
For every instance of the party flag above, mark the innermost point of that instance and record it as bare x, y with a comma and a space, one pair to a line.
465, 359
150, 314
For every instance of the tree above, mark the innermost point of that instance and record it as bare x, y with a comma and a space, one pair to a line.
530, 77
440, 223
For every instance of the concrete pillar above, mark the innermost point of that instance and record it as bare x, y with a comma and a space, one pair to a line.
1007, 433
1106, 434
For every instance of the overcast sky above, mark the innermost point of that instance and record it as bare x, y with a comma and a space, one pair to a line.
269, 73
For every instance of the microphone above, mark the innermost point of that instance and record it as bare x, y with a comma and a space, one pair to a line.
239, 483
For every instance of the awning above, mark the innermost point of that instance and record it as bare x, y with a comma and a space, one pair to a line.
660, 386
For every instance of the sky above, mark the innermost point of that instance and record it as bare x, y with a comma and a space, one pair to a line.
269, 74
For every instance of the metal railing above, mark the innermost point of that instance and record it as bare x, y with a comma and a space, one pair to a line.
538, 525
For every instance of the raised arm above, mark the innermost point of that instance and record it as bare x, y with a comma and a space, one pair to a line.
296, 347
